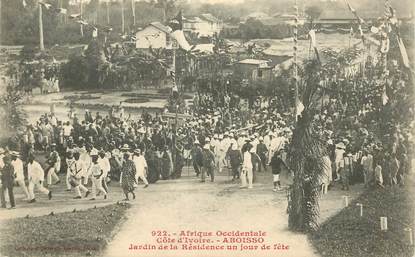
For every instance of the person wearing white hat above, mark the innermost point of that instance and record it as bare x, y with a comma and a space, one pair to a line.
85, 158
140, 167
19, 173
36, 175
105, 165
247, 169
214, 143
267, 139
262, 151
208, 163
254, 141
277, 143
235, 159
197, 157
241, 140
96, 176
221, 152
346, 170
54, 162
75, 176
338, 159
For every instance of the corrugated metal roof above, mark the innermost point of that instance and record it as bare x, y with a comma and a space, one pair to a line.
209, 17
253, 61
161, 27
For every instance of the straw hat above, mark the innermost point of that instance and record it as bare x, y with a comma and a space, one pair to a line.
125, 147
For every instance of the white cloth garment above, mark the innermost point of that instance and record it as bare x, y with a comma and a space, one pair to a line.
36, 175
140, 166
19, 174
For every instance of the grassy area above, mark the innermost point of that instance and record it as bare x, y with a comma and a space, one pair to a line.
76, 233
347, 234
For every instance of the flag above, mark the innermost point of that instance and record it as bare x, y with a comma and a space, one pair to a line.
75, 16
107, 29
359, 20
24, 3
389, 12
46, 5
312, 35
177, 22
173, 76
61, 10
299, 107
82, 22
350, 7
385, 97
404, 54
95, 32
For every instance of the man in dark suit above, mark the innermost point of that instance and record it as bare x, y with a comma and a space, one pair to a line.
7, 179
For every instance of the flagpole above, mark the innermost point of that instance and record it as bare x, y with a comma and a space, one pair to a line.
41, 44
61, 17
97, 13
122, 17
295, 59
133, 11
82, 26
108, 12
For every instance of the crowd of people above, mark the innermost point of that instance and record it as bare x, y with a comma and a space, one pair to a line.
91, 150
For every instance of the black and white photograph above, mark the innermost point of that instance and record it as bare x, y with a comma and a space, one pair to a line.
207, 128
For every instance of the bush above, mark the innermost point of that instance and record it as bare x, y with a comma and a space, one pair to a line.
74, 73
80, 97
349, 235
85, 232
164, 91
136, 100
138, 95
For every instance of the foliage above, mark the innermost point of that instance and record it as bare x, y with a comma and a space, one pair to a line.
167, 7
13, 117
313, 13
349, 235
305, 160
176, 103
96, 62
74, 73
255, 29
137, 100
85, 232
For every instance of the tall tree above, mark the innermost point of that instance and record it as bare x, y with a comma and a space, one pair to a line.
167, 6
313, 13
305, 158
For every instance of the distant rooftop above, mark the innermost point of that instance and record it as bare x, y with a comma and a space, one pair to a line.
161, 27
209, 17
253, 61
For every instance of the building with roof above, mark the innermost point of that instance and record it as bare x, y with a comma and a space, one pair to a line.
254, 69
155, 35
256, 15
204, 25
338, 15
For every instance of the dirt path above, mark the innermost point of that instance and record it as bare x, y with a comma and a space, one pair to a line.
187, 204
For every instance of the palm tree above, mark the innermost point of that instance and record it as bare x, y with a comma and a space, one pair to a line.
166, 5
305, 159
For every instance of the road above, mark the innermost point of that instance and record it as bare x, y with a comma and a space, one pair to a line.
187, 204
